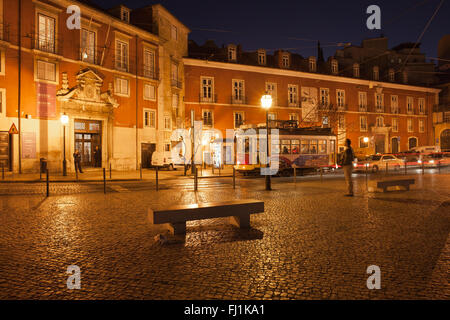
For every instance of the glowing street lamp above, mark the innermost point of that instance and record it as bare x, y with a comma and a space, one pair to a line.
266, 103
64, 122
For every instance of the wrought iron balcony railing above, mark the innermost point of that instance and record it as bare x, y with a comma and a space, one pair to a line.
177, 83
150, 73
238, 99
211, 99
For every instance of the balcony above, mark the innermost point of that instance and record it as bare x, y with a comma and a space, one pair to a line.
149, 73
325, 106
293, 104
394, 110
4, 32
238, 100
212, 99
177, 83
379, 109
343, 107
362, 108
47, 44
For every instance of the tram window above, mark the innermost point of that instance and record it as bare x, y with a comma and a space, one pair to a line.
286, 148
313, 146
295, 146
323, 146
305, 147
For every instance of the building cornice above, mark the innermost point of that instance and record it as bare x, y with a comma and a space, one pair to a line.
305, 75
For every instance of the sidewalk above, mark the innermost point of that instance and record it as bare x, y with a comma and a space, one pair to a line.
96, 175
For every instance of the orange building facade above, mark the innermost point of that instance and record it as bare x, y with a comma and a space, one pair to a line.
119, 84
377, 116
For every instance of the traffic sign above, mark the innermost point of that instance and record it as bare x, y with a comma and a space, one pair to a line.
13, 129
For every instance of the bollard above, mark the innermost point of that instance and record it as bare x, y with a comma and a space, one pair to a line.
234, 178
156, 178
110, 171
141, 171
439, 165
405, 168
387, 167
76, 173
195, 179
367, 170
423, 168
48, 184
321, 174
104, 180
295, 174
219, 170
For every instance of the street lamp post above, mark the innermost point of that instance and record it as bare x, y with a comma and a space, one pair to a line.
266, 103
64, 122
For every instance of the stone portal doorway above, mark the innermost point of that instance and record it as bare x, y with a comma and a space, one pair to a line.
88, 137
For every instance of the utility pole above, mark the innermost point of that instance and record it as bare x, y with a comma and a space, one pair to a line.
19, 88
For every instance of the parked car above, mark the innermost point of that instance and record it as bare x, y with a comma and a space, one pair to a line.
377, 162
164, 160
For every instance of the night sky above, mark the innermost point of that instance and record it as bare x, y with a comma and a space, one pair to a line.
280, 24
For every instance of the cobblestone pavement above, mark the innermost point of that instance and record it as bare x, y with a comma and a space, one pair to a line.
311, 243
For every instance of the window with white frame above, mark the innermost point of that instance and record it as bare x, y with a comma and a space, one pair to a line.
380, 122
238, 119
409, 105
324, 97
2, 102
121, 55
285, 63
262, 57
340, 98
356, 70
121, 87
363, 123
312, 64
149, 63
379, 105
394, 104
149, 92
46, 33
87, 45
334, 66
410, 125
207, 116
207, 89
125, 15
394, 124
421, 125
272, 116
293, 95
45, 70
149, 118
231, 53
391, 75
238, 91
362, 101
167, 123
293, 117
271, 88
376, 73
174, 32
421, 105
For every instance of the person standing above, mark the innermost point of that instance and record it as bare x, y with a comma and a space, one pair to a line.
97, 157
77, 161
347, 163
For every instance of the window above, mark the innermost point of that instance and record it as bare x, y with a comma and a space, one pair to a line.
46, 33
167, 123
207, 118
121, 55
334, 66
409, 105
421, 125
356, 70
149, 63
410, 125
394, 104
379, 102
421, 105
323, 146
207, 89
231, 53
2, 102
380, 122
175, 71
295, 144
121, 87
87, 45
272, 116
391, 75
262, 57
175, 100
341, 122
395, 125
125, 15
304, 147
271, 88
362, 99
363, 143
46, 70
324, 97
149, 92
313, 146
238, 119
340, 98
149, 118
363, 123
312, 64
285, 60
293, 117
376, 73
292, 95
238, 91
174, 33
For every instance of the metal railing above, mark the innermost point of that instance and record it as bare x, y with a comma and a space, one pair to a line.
47, 44
238, 100
150, 73
212, 99
177, 83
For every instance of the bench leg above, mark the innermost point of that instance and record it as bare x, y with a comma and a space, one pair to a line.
242, 221
177, 228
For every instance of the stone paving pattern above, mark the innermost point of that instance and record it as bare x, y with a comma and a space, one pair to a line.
311, 243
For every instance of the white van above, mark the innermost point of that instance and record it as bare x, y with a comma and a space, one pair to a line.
426, 149
164, 159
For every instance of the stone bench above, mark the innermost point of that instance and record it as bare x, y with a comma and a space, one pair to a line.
174, 218
384, 184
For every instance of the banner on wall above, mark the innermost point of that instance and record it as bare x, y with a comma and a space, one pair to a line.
309, 104
28, 145
45, 100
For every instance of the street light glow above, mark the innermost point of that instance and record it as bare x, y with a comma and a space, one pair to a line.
266, 101
366, 139
64, 119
